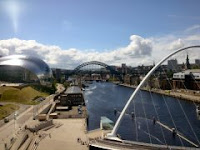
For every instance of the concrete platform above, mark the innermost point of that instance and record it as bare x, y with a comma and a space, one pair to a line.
65, 136
72, 113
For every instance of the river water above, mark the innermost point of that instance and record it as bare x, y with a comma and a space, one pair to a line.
103, 97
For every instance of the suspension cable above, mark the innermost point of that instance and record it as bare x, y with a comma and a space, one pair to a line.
145, 116
181, 105
158, 116
135, 117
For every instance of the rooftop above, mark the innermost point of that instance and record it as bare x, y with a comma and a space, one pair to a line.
106, 120
192, 71
73, 90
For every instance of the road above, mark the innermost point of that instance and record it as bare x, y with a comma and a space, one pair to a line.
19, 111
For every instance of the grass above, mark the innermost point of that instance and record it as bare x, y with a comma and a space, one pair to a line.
45, 89
25, 95
7, 109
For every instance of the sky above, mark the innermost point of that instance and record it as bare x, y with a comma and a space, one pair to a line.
66, 33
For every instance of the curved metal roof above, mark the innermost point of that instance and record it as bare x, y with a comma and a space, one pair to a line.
33, 64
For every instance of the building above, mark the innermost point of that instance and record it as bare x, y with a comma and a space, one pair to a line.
132, 79
13, 74
73, 96
188, 66
58, 74
188, 79
165, 83
197, 62
127, 79
25, 65
96, 76
124, 69
172, 65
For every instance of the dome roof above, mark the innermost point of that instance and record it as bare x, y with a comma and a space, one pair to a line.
33, 64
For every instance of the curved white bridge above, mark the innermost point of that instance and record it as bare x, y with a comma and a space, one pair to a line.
113, 134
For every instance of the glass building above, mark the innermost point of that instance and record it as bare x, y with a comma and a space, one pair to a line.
23, 68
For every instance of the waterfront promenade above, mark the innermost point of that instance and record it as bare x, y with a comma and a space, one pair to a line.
65, 136
180, 94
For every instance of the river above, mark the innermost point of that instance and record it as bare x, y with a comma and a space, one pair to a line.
103, 97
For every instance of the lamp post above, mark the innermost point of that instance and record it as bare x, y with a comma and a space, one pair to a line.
15, 118
33, 113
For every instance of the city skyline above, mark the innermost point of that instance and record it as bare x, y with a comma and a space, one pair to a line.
68, 33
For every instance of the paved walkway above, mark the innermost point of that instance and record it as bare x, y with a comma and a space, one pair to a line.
65, 137
97, 134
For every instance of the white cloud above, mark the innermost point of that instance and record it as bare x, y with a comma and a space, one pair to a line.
56, 57
3, 51
176, 44
139, 51
162, 46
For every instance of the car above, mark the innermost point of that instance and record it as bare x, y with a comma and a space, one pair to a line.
6, 120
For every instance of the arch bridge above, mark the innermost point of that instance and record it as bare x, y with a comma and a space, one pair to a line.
78, 68
113, 135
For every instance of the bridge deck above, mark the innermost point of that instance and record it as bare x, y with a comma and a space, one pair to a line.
126, 145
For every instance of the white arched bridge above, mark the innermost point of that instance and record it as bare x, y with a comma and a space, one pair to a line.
111, 138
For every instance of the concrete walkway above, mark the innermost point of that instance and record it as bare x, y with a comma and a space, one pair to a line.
65, 137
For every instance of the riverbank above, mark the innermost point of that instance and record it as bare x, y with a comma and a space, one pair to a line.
180, 94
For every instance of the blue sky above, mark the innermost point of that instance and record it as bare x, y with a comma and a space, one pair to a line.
96, 25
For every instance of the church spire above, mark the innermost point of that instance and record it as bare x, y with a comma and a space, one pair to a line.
187, 63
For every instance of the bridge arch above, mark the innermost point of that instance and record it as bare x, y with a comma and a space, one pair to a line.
113, 71
113, 134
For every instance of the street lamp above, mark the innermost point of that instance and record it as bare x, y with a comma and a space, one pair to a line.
33, 113
15, 118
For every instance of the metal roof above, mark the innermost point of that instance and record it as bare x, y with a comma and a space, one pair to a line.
106, 120
73, 90
33, 64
